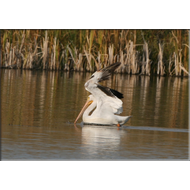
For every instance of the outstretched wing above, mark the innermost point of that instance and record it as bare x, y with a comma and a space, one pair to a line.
108, 98
107, 71
110, 92
116, 93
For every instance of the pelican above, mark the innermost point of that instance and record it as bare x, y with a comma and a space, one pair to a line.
104, 103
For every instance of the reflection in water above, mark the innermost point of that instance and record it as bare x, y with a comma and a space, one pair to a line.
133, 142
35, 95
96, 135
101, 141
39, 107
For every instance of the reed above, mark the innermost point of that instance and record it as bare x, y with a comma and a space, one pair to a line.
178, 68
45, 51
144, 52
160, 70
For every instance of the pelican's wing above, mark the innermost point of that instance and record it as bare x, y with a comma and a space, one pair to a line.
112, 99
107, 71
116, 93
110, 92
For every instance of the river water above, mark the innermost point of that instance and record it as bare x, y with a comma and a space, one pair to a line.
38, 109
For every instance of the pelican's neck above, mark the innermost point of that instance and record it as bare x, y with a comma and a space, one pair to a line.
89, 109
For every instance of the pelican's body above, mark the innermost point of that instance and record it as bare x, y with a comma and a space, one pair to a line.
104, 114
103, 103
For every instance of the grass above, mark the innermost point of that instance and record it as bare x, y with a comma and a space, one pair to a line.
144, 52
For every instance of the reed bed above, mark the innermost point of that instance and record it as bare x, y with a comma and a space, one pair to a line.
143, 52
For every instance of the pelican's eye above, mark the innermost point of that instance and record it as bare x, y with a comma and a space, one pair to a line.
92, 76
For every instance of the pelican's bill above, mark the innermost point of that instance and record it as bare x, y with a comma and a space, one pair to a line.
88, 102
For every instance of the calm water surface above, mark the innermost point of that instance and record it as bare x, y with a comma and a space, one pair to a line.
38, 109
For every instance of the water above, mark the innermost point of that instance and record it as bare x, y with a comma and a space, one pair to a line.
38, 109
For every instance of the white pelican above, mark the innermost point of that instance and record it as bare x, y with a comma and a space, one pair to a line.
103, 103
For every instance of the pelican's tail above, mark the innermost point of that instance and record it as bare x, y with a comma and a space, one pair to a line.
123, 119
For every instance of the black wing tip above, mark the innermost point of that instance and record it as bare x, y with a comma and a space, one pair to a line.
117, 63
106, 90
110, 92
116, 93
107, 71
112, 67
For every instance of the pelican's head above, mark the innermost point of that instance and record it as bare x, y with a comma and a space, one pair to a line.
92, 82
89, 101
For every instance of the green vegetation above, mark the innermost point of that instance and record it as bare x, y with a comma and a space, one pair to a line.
144, 52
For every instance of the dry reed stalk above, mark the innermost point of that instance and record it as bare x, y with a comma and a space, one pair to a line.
110, 53
10, 56
122, 39
28, 59
160, 69
128, 64
35, 55
62, 55
185, 51
185, 71
54, 53
77, 59
14, 54
57, 55
51, 63
181, 67
177, 66
134, 66
87, 50
100, 43
145, 64
45, 50
92, 32
105, 58
125, 64
7, 49
96, 63
31, 56
179, 63
145, 61
17, 56
148, 62
79, 63
74, 57
66, 59
99, 60
3, 49
105, 55
22, 41
127, 56
25, 60
121, 68
20, 55
170, 65
116, 39
88, 57
130, 57
115, 58
100, 38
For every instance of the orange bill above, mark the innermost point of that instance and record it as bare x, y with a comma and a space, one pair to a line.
88, 102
